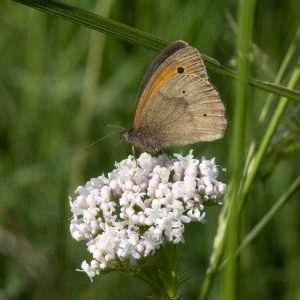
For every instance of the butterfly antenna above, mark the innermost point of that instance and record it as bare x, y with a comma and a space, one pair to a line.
101, 139
114, 126
120, 142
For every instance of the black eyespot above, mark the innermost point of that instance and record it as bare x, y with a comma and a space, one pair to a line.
204, 115
180, 70
183, 92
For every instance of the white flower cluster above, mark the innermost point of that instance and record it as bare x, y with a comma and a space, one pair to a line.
142, 204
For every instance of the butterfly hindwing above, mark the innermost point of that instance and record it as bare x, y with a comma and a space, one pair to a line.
185, 110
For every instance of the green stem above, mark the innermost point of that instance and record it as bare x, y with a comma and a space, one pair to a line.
266, 108
215, 259
168, 273
89, 87
283, 67
257, 159
267, 218
237, 158
220, 237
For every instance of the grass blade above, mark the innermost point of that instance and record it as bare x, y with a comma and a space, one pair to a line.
141, 38
257, 159
267, 218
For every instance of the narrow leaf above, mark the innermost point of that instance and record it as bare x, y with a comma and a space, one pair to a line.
141, 38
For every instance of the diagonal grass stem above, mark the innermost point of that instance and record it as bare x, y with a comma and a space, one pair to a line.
143, 39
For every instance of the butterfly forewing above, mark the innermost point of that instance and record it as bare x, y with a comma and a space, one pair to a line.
186, 59
157, 63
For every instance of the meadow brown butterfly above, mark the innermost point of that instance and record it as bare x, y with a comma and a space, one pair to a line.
176, 104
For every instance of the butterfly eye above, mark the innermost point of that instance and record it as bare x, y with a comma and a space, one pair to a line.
204, 115
180, 70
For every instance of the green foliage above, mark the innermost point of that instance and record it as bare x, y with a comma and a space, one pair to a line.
60, 83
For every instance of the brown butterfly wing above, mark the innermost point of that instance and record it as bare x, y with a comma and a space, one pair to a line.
185, 109
157, 63
165, 66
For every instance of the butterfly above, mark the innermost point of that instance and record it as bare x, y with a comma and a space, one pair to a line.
176, 104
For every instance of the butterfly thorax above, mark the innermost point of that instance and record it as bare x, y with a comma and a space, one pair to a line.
140, 138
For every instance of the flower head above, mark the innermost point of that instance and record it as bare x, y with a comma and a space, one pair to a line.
143, 203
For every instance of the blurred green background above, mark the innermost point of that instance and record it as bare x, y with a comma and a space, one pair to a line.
60, 83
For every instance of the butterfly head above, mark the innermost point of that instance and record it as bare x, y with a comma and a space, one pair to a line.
126, 134
141, 139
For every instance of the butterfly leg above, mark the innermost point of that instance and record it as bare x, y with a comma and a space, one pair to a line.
133, 151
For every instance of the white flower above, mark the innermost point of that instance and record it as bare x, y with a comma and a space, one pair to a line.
142, 204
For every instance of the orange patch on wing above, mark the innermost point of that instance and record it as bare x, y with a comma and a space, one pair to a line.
166, 73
